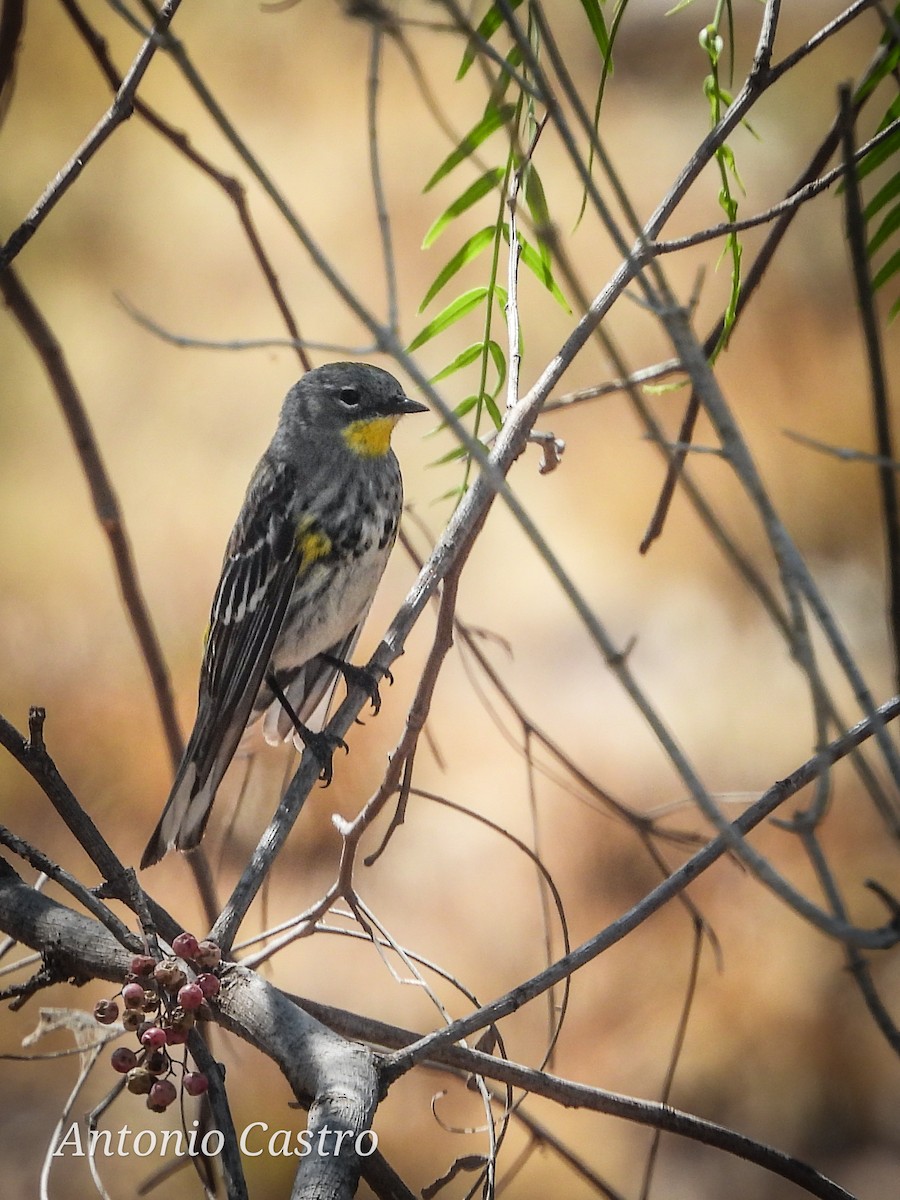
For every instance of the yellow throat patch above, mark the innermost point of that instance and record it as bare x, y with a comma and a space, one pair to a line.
370, 438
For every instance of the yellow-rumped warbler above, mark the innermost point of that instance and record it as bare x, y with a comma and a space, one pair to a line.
304, 559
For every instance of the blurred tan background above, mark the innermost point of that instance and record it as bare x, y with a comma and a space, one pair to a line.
779, 1045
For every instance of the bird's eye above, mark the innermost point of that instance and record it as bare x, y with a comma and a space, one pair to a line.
349, 397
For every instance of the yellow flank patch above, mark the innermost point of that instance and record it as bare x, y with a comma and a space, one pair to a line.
313, 545
370, 438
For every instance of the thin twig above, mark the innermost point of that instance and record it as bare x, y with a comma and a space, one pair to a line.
120, 110
878, 938
106, 504
381, 207
232, 187
844, 453
40, 861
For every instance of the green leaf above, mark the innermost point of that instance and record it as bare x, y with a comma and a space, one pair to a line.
490, 23
536, 200
454, 311
883, 196
513, 61
496, 352
481, 187
887, 271
453, 455
467, 251
493, 411
462, 360
492, 120
539, 265
886, 66
536, 264
889, 225
597, 24
883, 151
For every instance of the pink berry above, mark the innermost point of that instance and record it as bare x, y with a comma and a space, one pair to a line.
153, 1038
209, 985
175, 1037
106, 1011
123, 1059
190, 996
133, 995
195, 1083
186, 946
142, 964
162, 1093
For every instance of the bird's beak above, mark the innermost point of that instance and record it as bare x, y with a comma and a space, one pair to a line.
403, 405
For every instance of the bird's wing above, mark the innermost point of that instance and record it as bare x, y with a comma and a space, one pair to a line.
258, 576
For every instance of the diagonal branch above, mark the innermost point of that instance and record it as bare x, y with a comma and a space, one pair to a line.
120, 110
880, 938
106, 503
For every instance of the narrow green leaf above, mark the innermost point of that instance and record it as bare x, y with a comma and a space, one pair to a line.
493, 412
513, 62
536, 200
490, 23
453, 455
880, 153
461, 410
484, 184
453, 312
462, 360
883, 196
539, 267
888, 226
887, 65
492, 120
467, 251
497, 354
598, 25
887, 271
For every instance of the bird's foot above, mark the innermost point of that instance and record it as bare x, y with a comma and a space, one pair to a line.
322, 745
359, 677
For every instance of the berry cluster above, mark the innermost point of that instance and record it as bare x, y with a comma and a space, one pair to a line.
161, 1005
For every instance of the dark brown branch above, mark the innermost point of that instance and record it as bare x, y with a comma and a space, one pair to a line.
32, 754
769, 802
12, 23
575, 1095
106, 504
37, 859
120, 110
334, 1078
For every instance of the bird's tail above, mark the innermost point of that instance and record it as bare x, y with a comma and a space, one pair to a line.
184, 817
187, 809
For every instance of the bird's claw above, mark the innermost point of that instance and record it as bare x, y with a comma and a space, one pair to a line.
362, 678
322, 746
